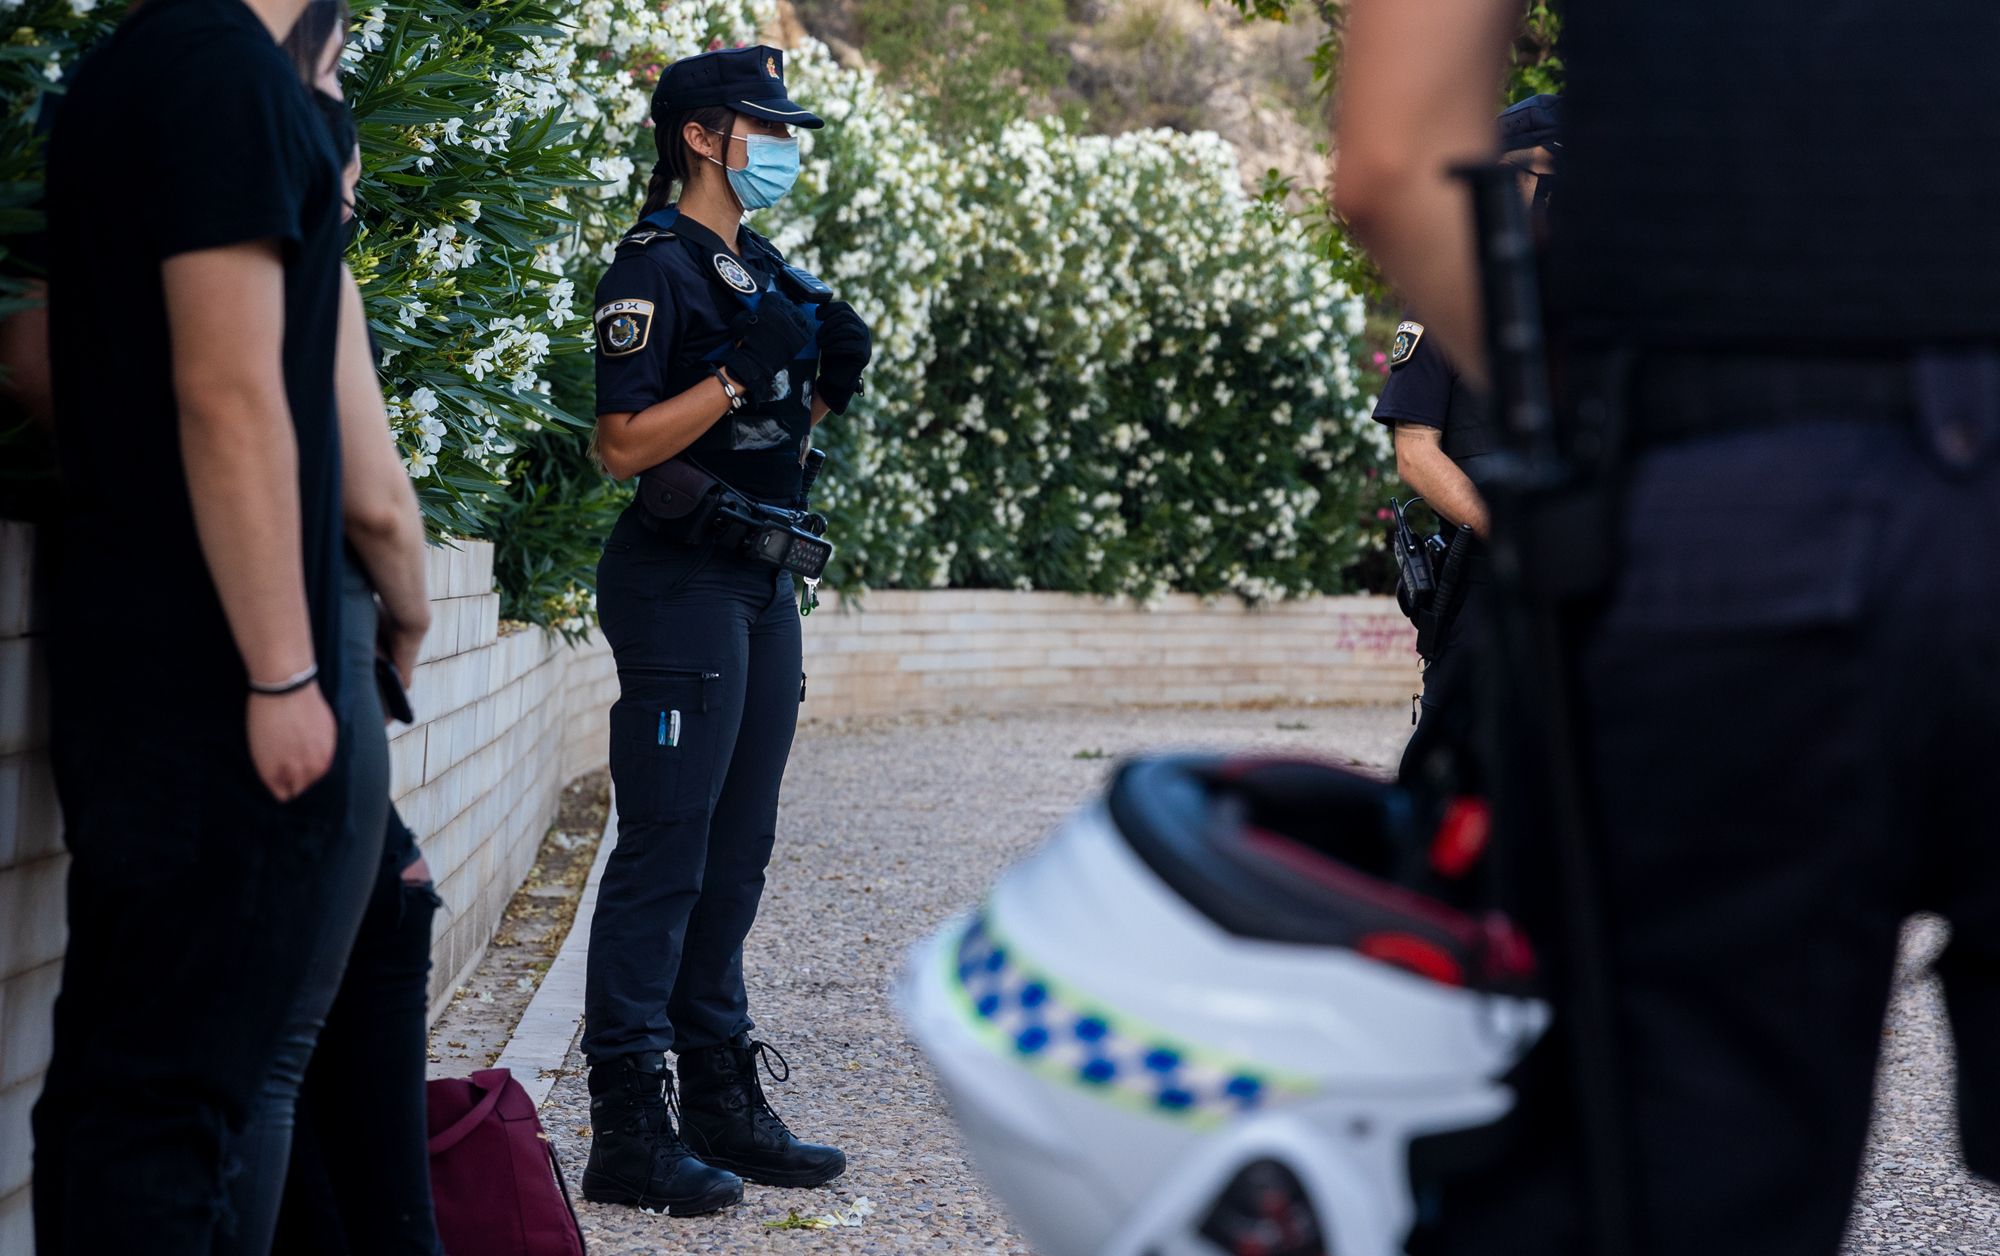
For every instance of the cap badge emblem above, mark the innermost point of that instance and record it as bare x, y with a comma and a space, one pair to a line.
771, 66
733, 274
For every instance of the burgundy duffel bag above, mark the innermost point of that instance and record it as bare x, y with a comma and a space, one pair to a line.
494, 1176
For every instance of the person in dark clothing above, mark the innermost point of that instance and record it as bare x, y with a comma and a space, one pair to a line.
1447, 445
1784, 293
359, 1177
716, 359
204, 786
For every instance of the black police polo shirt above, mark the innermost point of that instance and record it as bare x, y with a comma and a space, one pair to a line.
1424, 389
186, 130
659, 315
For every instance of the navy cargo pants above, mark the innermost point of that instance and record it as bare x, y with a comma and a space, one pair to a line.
708, 652
1791, 702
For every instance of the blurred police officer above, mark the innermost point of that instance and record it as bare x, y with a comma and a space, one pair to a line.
1447, 445
714, 361
1777, 217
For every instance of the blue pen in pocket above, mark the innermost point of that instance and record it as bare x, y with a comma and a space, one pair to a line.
670, 728
663, 728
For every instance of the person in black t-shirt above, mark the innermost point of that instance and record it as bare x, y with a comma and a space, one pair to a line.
1780, 296
194, 236
711, 354
1446, 447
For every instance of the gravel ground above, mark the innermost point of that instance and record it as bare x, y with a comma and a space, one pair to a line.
890, 827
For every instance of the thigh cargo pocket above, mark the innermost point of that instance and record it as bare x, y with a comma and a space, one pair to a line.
659, 751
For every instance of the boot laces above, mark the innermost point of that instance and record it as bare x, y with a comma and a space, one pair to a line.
667, 1140
764, 1053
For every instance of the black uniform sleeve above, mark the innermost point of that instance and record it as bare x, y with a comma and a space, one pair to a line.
636, 322
1419, 390
246, 171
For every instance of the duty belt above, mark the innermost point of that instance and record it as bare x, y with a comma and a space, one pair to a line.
1682, 395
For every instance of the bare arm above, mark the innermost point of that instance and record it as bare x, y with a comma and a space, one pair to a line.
226, 319
629, 442
1425, 467
1419, 81
24, 357
379, 504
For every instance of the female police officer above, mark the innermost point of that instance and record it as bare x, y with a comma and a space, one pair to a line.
714, 361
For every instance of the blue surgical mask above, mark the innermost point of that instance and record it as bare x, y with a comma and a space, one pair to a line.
772, 169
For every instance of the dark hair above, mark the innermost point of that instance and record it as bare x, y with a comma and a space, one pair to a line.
306, 42
675, 166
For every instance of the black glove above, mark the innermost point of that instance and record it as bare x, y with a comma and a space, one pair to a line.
771, 337
845, 349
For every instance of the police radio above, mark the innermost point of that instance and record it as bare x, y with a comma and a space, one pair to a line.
1417, 559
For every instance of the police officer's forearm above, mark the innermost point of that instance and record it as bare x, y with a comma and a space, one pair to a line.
1418, 82
1427, 469
631, 442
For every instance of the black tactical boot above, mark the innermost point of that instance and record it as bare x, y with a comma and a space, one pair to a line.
635, 1156
729, 1123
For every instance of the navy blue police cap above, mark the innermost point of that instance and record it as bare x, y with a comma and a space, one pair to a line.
1532, 123
749, 80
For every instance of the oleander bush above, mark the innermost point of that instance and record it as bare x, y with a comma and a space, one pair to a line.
1100, 365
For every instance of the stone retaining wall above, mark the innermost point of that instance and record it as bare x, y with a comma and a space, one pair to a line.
888, 653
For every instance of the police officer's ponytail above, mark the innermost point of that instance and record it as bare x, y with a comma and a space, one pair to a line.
676, 158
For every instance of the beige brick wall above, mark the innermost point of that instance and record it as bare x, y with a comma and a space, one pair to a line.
31, 874
888, 653
504, 722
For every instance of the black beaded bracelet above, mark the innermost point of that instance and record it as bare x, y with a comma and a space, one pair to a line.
283, 687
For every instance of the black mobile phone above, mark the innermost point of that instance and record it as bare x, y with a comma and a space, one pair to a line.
395, 699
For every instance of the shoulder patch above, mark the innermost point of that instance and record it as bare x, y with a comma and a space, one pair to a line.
733, 274
1407, 336
623, 327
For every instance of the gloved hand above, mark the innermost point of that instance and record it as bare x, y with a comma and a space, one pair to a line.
845, 349
770, 338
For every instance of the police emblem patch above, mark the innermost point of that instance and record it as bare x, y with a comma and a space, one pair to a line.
781, 385
1407, 336
623, 327
771, 66
733, 274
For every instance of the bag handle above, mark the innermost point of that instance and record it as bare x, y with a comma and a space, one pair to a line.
456, 1132
562, 1183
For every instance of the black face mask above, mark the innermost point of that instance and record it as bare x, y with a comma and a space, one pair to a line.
339, 117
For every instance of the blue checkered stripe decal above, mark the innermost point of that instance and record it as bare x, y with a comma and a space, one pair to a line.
1057, 1033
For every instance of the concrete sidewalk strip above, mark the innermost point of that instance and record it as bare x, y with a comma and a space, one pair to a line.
548, 1029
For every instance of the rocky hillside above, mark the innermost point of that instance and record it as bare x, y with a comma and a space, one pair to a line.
1125, 64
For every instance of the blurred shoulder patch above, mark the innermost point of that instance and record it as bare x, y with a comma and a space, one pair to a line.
1407, 336
623, 327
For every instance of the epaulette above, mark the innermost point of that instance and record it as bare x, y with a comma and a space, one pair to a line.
641, 239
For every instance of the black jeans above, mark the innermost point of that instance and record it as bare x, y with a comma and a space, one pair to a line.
195, 900
263, 1148
708, 653
1791, 702
360, 1173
